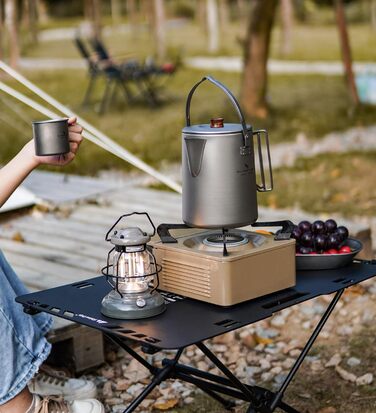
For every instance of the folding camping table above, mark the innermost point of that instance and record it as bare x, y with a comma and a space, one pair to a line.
189, 322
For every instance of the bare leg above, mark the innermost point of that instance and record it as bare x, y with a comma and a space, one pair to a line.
19, 404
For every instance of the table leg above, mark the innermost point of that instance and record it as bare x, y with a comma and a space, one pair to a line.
236, 382
131, 352
160, 374
261, 400
280, 393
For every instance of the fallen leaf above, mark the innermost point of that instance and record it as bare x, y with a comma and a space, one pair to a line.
42, 208
262, 340
18, 237
166, 405
339, 197
329, 409
356, 290
335, 173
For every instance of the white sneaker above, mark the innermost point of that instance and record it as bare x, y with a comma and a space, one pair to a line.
49, 382
53, 404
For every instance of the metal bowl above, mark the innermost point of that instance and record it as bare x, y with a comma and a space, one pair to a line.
328, 261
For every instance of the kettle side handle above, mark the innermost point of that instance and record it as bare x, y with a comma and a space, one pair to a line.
246, 148
263, 187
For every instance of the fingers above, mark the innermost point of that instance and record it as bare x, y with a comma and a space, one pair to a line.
75, 137
75, 128
75, 133
74, 147
68, 158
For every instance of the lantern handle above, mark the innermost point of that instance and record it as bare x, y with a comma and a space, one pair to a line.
128, 215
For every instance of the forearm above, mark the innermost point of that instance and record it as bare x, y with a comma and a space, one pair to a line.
13, 173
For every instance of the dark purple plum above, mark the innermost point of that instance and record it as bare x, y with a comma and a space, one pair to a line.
319, 242
318, 227
306, 239
330, 225
296, 233
342, 232
333, 241
304, 226
305, 250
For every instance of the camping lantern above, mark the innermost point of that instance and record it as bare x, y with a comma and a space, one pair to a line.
132, 272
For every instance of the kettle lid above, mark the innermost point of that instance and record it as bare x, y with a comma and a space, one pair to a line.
207, 129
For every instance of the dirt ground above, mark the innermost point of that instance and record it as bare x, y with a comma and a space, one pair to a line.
320, 392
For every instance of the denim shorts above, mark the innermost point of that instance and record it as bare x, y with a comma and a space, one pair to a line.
23, 347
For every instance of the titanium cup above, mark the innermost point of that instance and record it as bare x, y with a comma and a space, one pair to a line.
51, 137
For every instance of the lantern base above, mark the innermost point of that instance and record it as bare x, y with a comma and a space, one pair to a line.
133, 306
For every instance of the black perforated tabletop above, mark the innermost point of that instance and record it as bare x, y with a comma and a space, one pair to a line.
187, 321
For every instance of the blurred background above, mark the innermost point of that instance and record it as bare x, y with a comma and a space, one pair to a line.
303, 69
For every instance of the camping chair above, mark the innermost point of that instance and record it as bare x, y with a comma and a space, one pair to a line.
112, 74
93, 68
142, 76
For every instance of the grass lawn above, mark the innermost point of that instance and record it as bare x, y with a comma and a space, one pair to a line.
329, 183
309, 42
314, 105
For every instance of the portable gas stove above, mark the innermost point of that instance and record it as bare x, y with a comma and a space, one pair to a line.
225, 267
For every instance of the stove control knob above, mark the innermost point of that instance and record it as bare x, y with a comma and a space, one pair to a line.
140, 302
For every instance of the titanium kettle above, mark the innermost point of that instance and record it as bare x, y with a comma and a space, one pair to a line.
219, 179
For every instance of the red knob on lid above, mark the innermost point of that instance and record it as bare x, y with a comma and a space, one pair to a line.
216, 123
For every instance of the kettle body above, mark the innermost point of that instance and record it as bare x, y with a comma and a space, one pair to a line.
219, 184
218, 171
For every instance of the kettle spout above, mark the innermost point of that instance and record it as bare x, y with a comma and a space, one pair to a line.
194, 152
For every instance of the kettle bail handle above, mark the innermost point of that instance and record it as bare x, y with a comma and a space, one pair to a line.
246, 148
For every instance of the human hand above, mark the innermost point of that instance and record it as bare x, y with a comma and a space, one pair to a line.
75, 139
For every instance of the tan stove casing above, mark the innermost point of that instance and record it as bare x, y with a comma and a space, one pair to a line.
194, 270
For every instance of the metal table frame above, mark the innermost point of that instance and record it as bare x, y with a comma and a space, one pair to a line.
177, 329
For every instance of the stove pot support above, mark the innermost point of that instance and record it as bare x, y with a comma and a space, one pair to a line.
219, 179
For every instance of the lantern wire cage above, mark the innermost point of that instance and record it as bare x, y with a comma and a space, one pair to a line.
110, 277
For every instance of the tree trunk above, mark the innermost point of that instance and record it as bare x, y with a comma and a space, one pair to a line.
224, 14
29, 19
160, 29
147, 12
346, 50
96, 16
1, 31
242, 9
373, 14
213, 25
42, 11
33, 20
11, 23
87, 10
201, 14
116, 11
131, 10
287, 18
256, 53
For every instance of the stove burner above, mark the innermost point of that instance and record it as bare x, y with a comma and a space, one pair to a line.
232, 240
